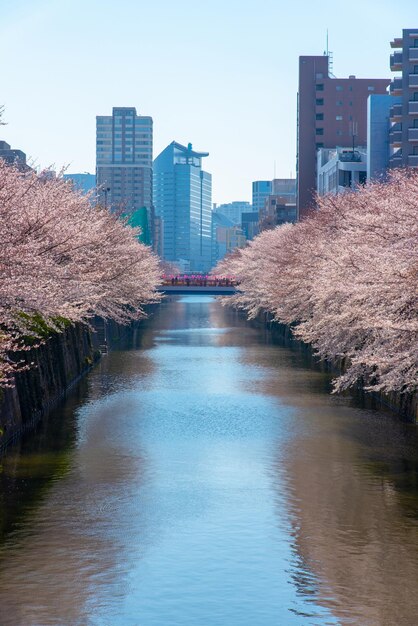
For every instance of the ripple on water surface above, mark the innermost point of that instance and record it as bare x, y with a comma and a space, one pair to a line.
206, 477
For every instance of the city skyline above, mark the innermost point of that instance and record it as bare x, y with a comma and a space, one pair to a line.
223, 77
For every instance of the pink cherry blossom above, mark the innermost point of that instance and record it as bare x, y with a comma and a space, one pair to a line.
62, 258
346, 279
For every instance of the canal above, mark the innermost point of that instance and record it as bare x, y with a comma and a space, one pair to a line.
203, 475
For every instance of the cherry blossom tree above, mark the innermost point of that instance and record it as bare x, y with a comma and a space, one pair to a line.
346, 280
61, 258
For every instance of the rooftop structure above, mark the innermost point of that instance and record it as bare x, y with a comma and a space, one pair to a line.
340, 169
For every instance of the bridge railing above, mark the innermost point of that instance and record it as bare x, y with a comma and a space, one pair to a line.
197, 280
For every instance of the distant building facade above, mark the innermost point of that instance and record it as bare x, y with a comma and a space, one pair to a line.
250, 224
261, 189
234, 210
86, 183
13, 156
331, 112
277, 210
183, 203
280, 206
341, 169
379, 109
403, 136
226, 236
124, 162
284, 187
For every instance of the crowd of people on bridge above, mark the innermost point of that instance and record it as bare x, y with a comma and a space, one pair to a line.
198, 280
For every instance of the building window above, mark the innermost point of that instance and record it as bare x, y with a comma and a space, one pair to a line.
339, 118
319, 145
319, 87
415, 123
319, 76
415, 69
415, 43
339, 103
415, 98
319, 116
339, 133
319, 131
319, 102
415, 150
339, 87
345, 178
370, 88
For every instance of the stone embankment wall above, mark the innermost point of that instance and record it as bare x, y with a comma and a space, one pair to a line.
58, 364
405, 405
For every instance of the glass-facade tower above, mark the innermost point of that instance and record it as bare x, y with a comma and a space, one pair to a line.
183, 202
124, 162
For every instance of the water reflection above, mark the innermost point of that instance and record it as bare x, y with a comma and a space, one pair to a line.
353, 493
205, 476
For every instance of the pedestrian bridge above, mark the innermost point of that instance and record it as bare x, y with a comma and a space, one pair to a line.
212, 290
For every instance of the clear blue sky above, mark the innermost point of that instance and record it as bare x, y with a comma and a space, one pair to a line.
221, 74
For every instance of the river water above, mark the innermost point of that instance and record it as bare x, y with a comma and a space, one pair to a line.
203, 475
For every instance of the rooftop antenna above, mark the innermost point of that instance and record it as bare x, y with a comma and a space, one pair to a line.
329, 54
353, 132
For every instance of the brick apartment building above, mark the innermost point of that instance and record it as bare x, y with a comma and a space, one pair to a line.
330, 111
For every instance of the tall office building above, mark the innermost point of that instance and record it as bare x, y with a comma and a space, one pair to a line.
331, 112
183, 202
403, 136
124, 163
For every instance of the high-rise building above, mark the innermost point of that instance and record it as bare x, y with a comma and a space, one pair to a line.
403, 136
183, 202
331, 112
261, 189
124, 162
